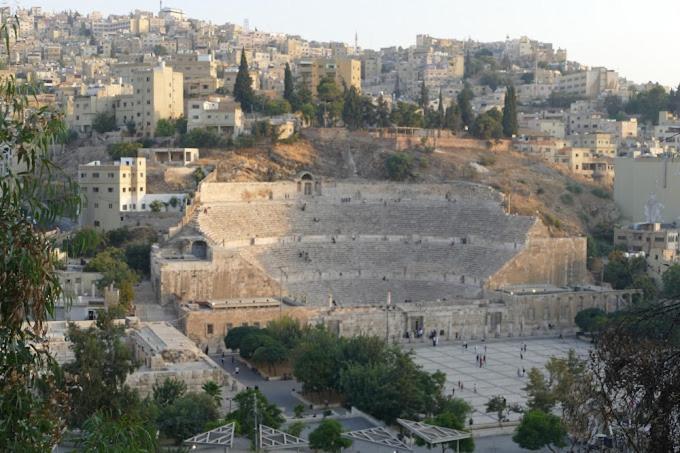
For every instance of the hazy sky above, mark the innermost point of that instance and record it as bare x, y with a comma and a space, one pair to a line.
640, 39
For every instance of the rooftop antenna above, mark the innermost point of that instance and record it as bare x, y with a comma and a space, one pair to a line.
356, 42
161, 6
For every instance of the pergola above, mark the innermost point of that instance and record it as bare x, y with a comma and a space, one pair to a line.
218, 437
273, 439
379, 436
434, 435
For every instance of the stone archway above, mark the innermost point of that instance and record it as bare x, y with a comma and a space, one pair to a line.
199, 249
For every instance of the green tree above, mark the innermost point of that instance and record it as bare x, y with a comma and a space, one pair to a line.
156, 206
351, 112
492, 79
101, 433
104, 122
620, 270
316, 361
424, 98
243, 85
138, 257
649, 103
277, 107
510, 126
452, 118
590, 320
251, 342
236, 335
187, 416
289, 86
298, 410
488, 125
167, 392
406, 115
165, 128
84, 242
249, 401
399, 166
538, 390
102, 363
271, 356
159, 50
202, 138
328, 437
671, 282
464, 100
213, 389
539, 430
382, 113
119, 150
296, 428
455, 420
111, 263
613, 104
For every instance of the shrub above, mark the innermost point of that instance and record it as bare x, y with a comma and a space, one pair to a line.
399, 166
104, 122
202, 138
600, 193
540, 191
574, 188
118, 150
567, 199
487, 160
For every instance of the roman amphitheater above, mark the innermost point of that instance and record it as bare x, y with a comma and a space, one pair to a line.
370, 258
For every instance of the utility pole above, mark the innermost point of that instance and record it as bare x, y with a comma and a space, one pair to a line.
255, 426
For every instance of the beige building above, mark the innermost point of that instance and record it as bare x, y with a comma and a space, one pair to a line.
646, 189
585, 162
230, 79
199, 71
598, 143
667, 129
345, 71
158, 93
222, 115
658, 242
98, 99
589, 83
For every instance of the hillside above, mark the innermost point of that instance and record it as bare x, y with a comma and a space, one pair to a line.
533, 187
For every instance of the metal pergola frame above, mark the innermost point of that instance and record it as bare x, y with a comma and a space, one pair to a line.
378, 436
218, 437
270, 439
434, 435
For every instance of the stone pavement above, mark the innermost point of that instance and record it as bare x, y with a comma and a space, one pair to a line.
499, 375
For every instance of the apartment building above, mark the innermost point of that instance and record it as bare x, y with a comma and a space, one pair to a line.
585, 162
98, 98
658, 241
158, 93
199, 71
667, 129
230, 79
218, 114
345, 71
112, 190
589, 83
598, 143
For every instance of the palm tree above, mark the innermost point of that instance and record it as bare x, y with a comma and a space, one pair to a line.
213, 389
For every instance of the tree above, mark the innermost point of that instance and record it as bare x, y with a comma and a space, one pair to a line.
213, 389
510, 125
671, 282
84, 242
620, 270
351, 111
382, 113
168, 392
328, 437
249, 401
424, 98
31, 403
488, 125
613, 104
316, 361
464, 102
102, 363
104, 122
251, 342
277, 107
399, 166
165, 128
538, 430
452, 118
590, 320
270, 355
499, 405
138, 257
243, 85
159, 50
187, 416
236, 335
562, 100
202, 138
406, 115
119, 150
288, 86
455, 420
296, 428
528, 78
156, 206
397, 88
111, 264
117, 435
649, 103
492, 79
538, 391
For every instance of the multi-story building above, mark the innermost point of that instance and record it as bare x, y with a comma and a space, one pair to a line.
585, 162
98, 99
667, 129
658, 242
199, 71
230, 79
112, 190
345, 71
158, 93
598, 143
589, 83
218, 114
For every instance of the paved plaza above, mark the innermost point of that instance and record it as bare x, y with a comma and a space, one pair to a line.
499, 375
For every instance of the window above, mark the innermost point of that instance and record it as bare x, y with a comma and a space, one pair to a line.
96, 205
124, 189
143, 206
96, 223
124, 207
141, 189
110, 189
82, 175
95, 175
110, 205
95, 189
209, 329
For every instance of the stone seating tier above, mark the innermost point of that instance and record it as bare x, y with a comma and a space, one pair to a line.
228, 222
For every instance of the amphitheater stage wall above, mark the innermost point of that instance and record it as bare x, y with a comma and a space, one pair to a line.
554, 261
503, 315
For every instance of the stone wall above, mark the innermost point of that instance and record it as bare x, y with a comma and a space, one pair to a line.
227, 276
555, 261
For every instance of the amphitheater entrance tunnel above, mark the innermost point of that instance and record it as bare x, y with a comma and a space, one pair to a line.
199, 249
416, 324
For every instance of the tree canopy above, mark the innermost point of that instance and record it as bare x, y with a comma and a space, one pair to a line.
243, 85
